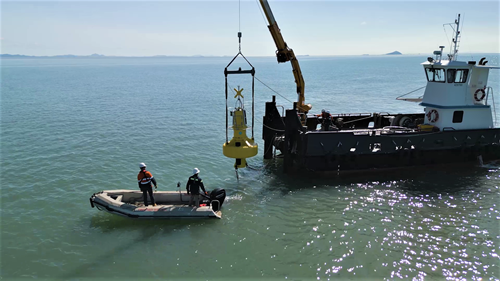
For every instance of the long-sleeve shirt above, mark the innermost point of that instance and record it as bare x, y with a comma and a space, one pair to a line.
193, 185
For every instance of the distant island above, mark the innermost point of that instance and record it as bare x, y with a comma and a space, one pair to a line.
394, 53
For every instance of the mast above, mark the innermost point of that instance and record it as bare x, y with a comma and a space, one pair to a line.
456, 39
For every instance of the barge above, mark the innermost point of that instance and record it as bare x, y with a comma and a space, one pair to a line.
456, 124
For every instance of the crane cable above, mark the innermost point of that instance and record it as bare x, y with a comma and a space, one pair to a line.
262, 13
277, 130
266, 23
272, 89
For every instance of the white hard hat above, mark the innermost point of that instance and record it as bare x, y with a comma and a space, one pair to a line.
196, 171
328, 111
142, 165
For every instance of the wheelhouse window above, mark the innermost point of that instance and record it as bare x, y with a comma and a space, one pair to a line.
451, 75
435, 75
457, 75
461, 76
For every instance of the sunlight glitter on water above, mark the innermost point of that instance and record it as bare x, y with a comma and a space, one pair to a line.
428, 223
413, 228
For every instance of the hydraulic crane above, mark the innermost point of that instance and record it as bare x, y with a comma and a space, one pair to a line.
284, 54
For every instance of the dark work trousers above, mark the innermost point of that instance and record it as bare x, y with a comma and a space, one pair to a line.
147, 188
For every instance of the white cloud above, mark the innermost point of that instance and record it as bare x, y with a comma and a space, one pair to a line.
363, 23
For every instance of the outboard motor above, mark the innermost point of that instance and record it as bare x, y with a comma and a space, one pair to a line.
218, 194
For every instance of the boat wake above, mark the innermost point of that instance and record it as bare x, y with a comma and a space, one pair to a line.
236, 197
491, 165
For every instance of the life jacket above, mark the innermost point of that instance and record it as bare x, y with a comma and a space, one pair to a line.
144, 177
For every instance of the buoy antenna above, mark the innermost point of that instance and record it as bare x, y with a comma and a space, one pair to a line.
239, 40
239, 24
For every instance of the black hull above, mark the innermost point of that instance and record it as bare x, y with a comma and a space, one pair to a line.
402, 159
360, 147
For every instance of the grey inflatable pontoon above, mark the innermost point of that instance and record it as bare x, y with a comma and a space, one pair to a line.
170, 204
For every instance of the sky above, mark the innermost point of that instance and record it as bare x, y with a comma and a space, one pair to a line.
209, 28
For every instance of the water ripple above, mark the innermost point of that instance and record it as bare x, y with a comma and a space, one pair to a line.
439, 223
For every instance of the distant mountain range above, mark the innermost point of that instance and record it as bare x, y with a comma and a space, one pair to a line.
58, 56
94, 56
157, 56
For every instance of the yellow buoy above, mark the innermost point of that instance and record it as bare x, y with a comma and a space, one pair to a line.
240, 146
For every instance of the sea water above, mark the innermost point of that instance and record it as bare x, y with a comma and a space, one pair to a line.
75, 126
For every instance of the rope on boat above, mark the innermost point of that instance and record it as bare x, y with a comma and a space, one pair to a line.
446, 33
358, 119
270, 147
493, 100
398, 98
277, 130
272, 89
262, 13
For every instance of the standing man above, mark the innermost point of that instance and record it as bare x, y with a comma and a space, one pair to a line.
193, 186
327, 120
145, 178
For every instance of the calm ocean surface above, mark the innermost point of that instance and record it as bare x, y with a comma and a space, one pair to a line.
72, 127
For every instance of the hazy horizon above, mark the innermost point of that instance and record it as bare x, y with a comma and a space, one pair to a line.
209, 28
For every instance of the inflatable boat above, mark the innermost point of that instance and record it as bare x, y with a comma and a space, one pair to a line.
169, 204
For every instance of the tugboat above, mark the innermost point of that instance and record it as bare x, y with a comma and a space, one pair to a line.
456, 126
